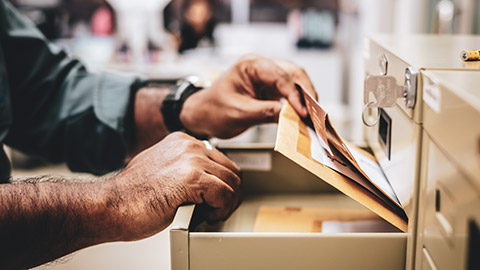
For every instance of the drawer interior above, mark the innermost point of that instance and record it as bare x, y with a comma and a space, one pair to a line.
244, 218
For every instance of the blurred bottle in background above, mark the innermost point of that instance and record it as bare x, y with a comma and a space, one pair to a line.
139, 23
312, 28
103, 21
192, 22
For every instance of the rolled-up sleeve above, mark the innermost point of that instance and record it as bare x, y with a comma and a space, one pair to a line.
60, 110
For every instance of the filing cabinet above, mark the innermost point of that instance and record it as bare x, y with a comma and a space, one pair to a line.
449, 201
395, 132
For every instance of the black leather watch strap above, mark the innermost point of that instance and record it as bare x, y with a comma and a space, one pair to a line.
173, 104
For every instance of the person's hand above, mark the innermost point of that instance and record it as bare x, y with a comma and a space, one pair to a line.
246, 95
177, 170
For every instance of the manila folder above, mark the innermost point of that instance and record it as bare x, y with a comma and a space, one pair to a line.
294, 142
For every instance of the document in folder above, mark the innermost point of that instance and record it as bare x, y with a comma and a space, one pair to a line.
315, 145
309, 219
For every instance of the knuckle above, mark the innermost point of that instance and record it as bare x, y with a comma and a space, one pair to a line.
176, 134
235, 180
300, 70
248, 57
219, 188
283, 77
226, 194
194, 174
196, 160
303, 71
235, 114
269, 111
192, 145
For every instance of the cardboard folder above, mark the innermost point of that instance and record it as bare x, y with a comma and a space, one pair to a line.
294, 142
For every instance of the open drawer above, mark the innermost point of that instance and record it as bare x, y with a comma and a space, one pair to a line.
233, 244
239, 243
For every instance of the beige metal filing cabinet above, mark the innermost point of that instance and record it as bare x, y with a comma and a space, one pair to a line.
449, 202
396, 131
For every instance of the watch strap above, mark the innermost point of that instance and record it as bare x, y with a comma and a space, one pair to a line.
173, 104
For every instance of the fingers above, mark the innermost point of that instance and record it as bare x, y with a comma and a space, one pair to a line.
220, 158
224, 174
219, 183
299, 74
266, 72
262, 111
295, 100
221, 199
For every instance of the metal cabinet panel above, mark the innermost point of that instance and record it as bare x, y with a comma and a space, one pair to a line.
297, 251
427, 261
452, 117
440, 52
447, 203
400, 167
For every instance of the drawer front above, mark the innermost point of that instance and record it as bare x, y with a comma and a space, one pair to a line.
453, 121
448, 203
296, 251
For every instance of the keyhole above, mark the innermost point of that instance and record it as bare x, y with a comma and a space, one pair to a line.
437, 200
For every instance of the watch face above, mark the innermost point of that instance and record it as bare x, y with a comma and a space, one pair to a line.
173, 103
197, 82
181, 89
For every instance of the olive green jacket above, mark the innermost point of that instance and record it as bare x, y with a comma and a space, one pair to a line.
51, 106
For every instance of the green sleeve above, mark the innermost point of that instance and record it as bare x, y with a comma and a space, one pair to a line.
60, 110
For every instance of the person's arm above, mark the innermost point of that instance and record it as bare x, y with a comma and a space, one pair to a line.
44, 220
60, 110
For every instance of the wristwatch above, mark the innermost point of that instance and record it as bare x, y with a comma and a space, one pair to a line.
173, 103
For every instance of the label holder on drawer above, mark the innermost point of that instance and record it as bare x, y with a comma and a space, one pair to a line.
385, 132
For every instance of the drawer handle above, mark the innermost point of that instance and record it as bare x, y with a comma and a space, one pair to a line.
444, 224
383, 64
429, 260
441, 219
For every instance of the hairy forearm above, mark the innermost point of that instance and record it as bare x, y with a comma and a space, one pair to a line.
44, 220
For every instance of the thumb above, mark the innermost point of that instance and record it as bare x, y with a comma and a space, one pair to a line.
263, 111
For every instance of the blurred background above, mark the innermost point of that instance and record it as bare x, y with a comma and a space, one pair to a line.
168, 39
171, 39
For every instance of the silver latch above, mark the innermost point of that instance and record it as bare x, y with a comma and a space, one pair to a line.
383, 64
383, 92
